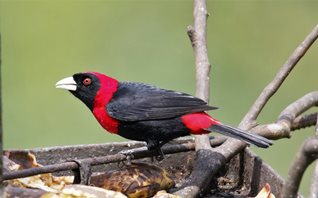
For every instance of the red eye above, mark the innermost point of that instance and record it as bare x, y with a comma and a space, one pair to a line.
87, 81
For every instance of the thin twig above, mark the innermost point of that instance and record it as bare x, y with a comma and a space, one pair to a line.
251, 116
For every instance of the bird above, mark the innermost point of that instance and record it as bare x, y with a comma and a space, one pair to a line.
144, 112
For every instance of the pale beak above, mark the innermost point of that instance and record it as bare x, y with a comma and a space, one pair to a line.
67, 83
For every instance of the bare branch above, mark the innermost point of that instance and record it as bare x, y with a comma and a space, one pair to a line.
197, 35
305, 156
314, 181
202, 63
289, 114
200, 176
250, 118
277, 131
288, 118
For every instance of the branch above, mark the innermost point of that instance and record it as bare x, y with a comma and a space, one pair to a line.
293, 110
309, 151
314, 181
305, 156
289, 119
197, 35
272, 87
200, 176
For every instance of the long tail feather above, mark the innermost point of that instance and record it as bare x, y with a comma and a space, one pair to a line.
241, 135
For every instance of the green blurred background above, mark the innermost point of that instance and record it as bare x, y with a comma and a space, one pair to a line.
146, 41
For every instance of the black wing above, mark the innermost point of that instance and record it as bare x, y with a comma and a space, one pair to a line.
138, 101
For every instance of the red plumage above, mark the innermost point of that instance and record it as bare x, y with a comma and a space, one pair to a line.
102, 98
197, 123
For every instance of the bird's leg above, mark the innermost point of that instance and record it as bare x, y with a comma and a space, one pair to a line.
161, 155
156, 145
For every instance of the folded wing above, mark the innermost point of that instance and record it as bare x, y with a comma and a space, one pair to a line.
138, 101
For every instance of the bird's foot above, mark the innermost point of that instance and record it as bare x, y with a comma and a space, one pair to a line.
161, 155
156, 146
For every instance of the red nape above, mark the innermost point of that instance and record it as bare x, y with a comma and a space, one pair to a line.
198, 122
108, 86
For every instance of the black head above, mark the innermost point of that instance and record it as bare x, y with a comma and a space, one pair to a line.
82, 85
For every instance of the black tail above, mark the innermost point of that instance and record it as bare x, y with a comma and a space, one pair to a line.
241, 135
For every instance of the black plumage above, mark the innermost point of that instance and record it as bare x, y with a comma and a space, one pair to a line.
138, 101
